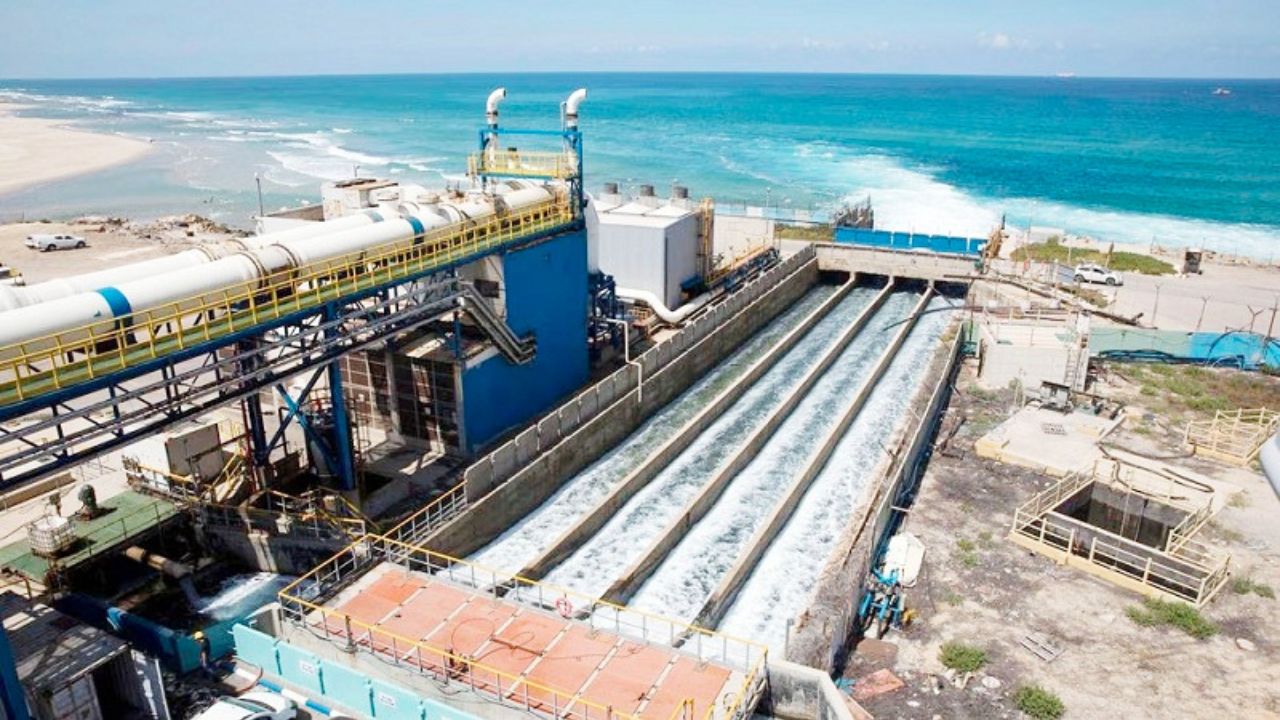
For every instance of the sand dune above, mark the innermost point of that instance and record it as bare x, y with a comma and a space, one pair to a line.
36, 150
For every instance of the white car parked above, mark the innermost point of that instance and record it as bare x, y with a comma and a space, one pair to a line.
45, 243
253, 705
1097, 274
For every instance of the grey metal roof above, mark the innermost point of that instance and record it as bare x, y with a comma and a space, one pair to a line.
52, 649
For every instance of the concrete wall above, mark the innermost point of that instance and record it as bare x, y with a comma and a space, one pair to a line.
669, 369
546, 293
820, 635
875, 261
797, 692
290, 555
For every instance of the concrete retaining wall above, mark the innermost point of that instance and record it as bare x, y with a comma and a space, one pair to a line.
501, 490
271, 553
872, 261
821, 633
797, 692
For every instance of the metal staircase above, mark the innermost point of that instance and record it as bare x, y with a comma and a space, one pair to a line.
513, 348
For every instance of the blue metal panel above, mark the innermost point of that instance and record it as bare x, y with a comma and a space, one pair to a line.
345, 686
393, 703
256, 648
546, 295
910, 241
300, 668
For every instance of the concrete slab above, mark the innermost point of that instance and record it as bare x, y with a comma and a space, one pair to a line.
1048, 441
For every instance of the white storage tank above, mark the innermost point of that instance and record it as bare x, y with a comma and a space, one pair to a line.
648, 248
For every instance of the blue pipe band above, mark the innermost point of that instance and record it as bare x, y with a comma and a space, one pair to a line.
418, 230
116, 300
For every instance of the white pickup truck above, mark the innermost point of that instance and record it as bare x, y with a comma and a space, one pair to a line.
45, 243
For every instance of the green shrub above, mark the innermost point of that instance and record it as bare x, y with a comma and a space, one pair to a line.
1154, 612
961, 657
1038, 703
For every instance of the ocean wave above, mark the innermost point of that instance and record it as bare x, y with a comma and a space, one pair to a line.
316, 166
915, 200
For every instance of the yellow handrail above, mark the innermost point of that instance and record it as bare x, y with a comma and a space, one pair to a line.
519, 163
112, 345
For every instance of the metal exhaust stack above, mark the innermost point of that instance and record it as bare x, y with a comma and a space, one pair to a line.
491, 106
569, 109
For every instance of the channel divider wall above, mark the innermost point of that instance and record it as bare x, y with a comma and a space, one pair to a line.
722, 597
630, 580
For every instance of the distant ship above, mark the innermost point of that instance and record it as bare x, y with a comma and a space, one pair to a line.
1066, 75
1221, 91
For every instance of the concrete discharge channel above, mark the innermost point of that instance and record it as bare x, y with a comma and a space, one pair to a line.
704, 574
526, 539
681, 536
678, 517
763, 607
721, 443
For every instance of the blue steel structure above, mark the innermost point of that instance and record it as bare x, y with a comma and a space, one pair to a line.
143, 398
12, 701
546, 295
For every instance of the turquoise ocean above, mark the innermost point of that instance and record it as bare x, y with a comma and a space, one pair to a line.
1130, 161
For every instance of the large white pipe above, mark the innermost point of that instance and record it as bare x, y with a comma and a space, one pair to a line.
12, 298
97, 309
1269, 455
491, 106
571, 107
669, 316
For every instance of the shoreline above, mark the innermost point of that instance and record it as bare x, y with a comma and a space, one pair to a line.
35, 151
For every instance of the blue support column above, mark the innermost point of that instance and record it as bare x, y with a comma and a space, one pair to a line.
11, 697
343, 455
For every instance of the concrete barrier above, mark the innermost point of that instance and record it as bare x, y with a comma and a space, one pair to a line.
514, 491
797, 692
722, 597
627, 583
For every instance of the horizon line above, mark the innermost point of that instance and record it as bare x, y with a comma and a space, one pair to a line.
1061, 75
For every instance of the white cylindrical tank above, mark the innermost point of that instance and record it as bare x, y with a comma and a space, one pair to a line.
16, 297
77, 315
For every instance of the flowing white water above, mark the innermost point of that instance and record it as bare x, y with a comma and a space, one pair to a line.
240, 595
693, 569
593, 567
779, 587
529, 537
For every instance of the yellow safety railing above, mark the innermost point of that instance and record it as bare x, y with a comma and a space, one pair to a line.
63, 359
518, 163
342, 568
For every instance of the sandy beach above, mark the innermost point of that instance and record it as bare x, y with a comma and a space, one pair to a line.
36, 150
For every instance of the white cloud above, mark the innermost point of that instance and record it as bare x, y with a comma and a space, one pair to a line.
820, 44
1004, 41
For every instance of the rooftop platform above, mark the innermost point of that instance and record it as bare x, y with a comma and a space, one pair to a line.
126, 517
529, 649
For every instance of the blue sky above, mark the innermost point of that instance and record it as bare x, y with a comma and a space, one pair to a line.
150, 38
